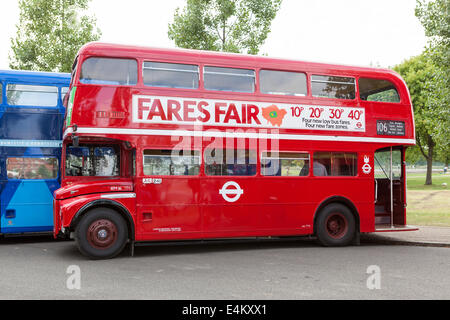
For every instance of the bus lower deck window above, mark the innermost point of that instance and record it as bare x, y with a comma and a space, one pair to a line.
230, 162
171, 162
32, 168
335, 164
285, 164
92, 160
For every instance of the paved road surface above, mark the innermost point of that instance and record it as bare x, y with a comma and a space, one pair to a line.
36, 268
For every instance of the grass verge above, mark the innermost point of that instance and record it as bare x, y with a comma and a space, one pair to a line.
428, 205
416, 181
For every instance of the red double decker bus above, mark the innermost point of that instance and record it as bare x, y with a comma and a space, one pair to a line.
170, 144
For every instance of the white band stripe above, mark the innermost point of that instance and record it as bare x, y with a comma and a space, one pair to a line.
30, 143
118, 195
222, 134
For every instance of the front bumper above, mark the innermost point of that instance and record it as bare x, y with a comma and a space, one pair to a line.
58, 229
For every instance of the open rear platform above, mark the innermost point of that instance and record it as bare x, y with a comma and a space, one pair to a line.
392, 228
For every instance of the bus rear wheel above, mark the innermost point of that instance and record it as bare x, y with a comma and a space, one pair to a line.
101, 234
335, 225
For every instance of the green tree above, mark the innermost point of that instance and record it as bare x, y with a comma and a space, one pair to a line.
414, 156
439, 101
418, 72
435, 18
223, 25
49, 34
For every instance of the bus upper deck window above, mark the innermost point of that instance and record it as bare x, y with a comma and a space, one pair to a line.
30, 95
229, 79
171, 75
333, 87
109, 71
377, 90
283, 82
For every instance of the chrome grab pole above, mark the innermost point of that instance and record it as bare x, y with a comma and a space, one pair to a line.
376, 191
392, 195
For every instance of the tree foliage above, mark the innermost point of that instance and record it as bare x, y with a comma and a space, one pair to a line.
428, 80
421, 76
418, 72
49, 34
435, 18
223, 25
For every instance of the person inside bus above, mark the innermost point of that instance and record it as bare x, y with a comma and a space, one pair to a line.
241, 169
305, 169
319, 169
236, 169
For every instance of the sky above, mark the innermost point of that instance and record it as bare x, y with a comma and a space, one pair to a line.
353, 32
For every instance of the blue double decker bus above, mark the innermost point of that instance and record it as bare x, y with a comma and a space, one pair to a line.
31, 121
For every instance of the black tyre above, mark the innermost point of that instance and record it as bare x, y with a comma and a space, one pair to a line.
101, 234
335, 225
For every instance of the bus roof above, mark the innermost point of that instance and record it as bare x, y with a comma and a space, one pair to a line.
134, 51
42, 77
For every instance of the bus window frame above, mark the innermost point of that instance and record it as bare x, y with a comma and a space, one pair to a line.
142, 84
257, 164
98, 144
218, 65
357, 175
293, 96
79, 65
309, 153
74, 72
400, 96
58, 171
14, 82
355, 80
140, 168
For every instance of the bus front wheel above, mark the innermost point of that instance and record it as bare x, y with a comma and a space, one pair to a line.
101, 234
335, 225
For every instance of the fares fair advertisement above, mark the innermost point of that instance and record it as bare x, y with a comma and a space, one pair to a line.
176, 110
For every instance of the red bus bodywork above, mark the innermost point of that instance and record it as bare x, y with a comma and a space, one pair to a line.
166, 207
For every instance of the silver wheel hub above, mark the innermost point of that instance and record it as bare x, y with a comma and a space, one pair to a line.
102, 234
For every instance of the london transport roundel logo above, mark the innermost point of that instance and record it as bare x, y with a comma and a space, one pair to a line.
366, 167
231, 194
